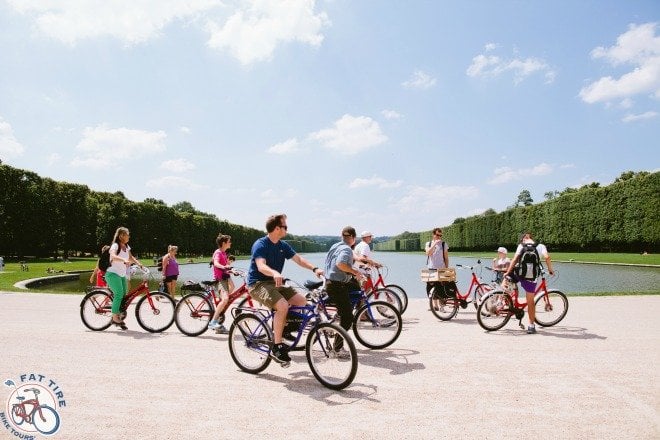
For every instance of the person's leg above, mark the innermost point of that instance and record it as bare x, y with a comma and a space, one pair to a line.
338, 294
531, 310
221, 288
118, 286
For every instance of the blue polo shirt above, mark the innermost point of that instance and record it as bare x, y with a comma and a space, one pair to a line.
275, 255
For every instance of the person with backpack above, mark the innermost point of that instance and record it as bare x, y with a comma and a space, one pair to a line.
525, 268
98, 272
120, 259
437, 256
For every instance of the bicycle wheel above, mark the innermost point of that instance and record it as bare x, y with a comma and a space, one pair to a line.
47, 422
479, 293
155, 312
192, 314
331, 355
386, 295
403, 296
377, 325
250, 340
495, 310
16, 415
95, 310
550, 308
442, 307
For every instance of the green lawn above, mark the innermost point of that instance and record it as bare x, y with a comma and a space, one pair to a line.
587, 257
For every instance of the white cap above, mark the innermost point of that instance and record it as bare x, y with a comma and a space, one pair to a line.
502, 250
366, 234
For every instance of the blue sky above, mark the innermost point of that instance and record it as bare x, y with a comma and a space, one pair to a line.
385, 115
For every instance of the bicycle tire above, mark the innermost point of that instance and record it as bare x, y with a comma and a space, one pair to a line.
15, 413
324, 360
193, 313
387, 295
48, 413
559, 308
401, 293
377, 325
479, 292
443, 307
155, 316
495, 310
95, 310
250, 340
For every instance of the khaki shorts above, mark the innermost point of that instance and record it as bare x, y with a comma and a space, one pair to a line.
222, 287
267, 294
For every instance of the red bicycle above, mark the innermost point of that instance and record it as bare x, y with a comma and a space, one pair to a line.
154, 310
498, 306
44, 418
380, 284
195, 310
445, 299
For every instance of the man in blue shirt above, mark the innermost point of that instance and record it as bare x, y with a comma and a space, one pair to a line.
266, 283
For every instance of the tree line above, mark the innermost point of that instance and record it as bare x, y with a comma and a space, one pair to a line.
621, 217
42, 217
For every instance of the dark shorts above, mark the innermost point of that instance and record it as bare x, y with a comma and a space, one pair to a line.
171, 278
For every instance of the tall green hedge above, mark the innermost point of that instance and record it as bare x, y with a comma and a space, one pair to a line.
623, 216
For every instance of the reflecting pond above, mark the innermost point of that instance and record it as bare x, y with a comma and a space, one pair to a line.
404, 270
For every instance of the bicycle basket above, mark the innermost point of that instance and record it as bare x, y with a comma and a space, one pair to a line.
192, 286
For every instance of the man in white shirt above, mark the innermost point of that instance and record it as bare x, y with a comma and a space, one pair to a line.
362, 251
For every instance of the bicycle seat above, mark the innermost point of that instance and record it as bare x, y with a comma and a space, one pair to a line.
207, 283
313, 284
20, 398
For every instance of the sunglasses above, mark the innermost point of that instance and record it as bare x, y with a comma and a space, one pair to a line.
285, 227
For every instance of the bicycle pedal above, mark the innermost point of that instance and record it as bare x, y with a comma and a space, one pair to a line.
285, 364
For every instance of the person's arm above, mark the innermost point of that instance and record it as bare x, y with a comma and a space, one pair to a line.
446, 256
164, 263
94, 272
216, 263
430, 247
511, 266
349, 269
307, 265
548, 262
132, 259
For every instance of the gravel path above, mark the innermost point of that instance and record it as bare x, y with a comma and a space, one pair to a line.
593, 376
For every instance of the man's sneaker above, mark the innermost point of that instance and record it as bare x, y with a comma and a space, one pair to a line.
221, 330
531, 329
214, 325
279, 354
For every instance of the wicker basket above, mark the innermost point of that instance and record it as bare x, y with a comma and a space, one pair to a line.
431, 275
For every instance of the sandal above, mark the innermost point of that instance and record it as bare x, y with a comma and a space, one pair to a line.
120, 324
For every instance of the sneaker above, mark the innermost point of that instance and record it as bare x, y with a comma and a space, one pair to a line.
214, 325
279, 354
531, 330
221, 330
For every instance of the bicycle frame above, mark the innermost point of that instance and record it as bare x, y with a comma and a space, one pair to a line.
212, 295
24, 414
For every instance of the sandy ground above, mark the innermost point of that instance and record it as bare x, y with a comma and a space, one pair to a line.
594, 376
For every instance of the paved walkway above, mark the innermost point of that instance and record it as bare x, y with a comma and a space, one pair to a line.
594, 376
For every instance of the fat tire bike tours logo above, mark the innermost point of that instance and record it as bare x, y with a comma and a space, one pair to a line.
32, 405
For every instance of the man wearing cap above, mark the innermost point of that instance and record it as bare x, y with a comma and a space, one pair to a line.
362, 251
500, 264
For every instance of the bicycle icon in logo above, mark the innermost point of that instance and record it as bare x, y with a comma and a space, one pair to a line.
26, 409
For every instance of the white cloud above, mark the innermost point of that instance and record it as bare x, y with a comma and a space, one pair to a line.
508, 174
430, 199
419, 80
174, 182
184, 129
640, 117
639, 47
177, 165
374, 181
484, 66
391, 114
350, 135
288, 146
101, 146
9, 145
276, 196
130, 21
253, 32
53, 159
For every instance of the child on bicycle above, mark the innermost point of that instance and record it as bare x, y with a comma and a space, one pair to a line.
526, 272
500, 264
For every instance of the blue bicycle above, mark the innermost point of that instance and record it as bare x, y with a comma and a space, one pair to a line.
376, 323
330, 351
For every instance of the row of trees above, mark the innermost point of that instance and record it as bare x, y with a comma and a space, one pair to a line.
623, 216
42, 217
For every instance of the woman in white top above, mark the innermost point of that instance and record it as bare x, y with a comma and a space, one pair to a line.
120, 259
